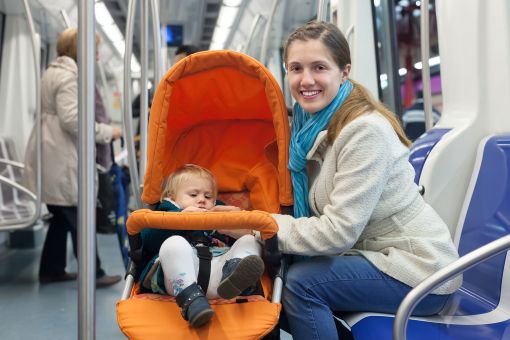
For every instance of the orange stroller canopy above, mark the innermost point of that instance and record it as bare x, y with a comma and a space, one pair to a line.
224, 111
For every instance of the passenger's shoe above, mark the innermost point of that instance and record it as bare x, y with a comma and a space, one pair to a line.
107, 280
57, 278
194, 306
240, 274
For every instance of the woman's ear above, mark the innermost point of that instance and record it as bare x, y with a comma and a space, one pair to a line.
345, 72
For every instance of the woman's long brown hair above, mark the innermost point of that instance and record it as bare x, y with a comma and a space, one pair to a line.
358, 103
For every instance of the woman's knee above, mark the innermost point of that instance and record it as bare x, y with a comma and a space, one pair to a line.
175, 245
295, 282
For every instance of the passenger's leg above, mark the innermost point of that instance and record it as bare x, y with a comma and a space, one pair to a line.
54, 253
316, 287
71, 216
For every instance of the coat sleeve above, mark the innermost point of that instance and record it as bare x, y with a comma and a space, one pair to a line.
67, 109
363, 164
66, 100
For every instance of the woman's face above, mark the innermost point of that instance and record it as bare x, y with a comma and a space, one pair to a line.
314, 77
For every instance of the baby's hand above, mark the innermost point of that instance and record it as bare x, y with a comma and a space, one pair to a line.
225, 208
194, 209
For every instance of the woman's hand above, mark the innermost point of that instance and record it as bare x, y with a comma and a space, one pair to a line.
116, 133
236, 233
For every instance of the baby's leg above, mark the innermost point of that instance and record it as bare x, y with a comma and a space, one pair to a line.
244, 246
180, 268
179, 264
237, 270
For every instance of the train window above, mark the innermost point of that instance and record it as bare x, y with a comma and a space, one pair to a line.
397, 24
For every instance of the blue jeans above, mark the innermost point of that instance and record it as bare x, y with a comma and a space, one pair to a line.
320, 285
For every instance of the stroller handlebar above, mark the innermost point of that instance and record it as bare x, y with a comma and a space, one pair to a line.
255, 219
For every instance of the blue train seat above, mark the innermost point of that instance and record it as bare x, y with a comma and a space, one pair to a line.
480, 309
421, 149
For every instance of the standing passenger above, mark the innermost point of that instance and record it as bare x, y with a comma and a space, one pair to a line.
59, 108
185, 50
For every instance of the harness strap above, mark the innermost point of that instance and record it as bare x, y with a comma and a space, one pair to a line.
204, 266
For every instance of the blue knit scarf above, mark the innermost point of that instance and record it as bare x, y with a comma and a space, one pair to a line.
304, 131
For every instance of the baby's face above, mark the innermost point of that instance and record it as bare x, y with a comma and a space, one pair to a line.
196, 192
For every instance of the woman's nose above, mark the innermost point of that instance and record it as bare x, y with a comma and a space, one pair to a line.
307, 77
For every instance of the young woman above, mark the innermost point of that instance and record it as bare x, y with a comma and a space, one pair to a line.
358, 216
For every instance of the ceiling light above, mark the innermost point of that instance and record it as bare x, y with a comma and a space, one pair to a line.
232, 3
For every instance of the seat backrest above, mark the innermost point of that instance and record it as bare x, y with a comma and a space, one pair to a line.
485, 217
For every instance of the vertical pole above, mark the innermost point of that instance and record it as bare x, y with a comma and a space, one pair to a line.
128, 114
158, 73
425, 67
144, 64
86, 172
38, 126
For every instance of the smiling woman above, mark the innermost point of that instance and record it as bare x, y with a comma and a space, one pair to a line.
352, 182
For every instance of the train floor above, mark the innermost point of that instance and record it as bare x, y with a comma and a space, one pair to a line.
29, 310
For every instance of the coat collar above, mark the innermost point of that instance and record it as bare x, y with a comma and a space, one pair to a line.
66, 63
320, 141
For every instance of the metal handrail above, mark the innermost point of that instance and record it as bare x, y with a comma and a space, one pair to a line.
19, 187
86, 173
156, 35
38, 125
144, 66
321, 10
12, 163
435, 280
65, 17
425, 67
254, 24
19, 223
265, 39
128, 115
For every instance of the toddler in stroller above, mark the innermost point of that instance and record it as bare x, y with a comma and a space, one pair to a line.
234, 265
223, 111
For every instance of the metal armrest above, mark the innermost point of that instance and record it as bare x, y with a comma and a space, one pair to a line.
17, 186
12, 163
435, 280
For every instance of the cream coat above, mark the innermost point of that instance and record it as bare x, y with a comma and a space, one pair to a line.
59, 110
364, 201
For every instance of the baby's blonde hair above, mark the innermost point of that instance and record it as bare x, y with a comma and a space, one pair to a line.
186, 172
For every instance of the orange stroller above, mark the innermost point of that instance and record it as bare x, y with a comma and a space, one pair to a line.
224, 111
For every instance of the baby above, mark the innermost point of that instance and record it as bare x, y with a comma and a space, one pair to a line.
192, 188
